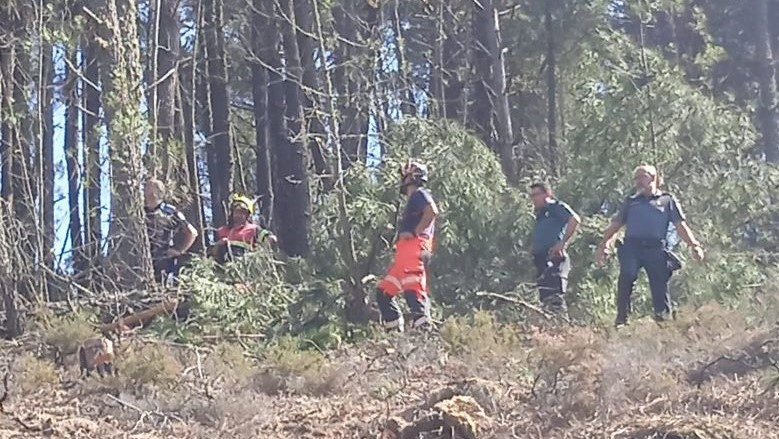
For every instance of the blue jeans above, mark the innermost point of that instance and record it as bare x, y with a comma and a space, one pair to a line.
651, 256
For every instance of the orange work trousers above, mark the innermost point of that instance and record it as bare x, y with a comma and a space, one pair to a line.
408, 272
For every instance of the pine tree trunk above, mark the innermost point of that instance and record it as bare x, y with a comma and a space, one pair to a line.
220, 153
292, 195
277, 126
260, 75
193, 210
315, 129
551, 90
348, 80
47, 144
71, 149
129, 260
491, 92
768, 113
166, 78
92, 164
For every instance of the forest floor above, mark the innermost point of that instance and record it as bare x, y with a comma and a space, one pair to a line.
712, 373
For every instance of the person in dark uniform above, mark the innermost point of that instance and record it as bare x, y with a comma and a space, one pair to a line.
555, 225
170, 234
646, 216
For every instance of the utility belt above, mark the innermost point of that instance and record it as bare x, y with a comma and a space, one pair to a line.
645, 242
673, 261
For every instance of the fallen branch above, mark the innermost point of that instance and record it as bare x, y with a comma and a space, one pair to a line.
166, 307
521, 303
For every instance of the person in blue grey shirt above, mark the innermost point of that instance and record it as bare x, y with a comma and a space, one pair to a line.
555, 225
646, 216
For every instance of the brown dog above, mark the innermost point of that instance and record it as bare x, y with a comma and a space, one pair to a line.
97, 353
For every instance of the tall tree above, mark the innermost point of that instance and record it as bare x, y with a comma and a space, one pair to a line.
46, 149
71, 149
490, 116
166, 43
129, 260
551, 87
292, 197
314, 128
768, 110
220, 153
260, 56
91, 134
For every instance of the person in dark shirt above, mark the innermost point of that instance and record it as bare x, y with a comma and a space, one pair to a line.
555, 225
646, 216
170, 234
408, 273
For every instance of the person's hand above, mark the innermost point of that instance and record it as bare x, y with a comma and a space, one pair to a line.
405, 235
600, 255
557, 251
698, 253
173, 253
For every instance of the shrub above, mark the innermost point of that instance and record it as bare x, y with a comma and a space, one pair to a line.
151, 364
67, 332
36, 373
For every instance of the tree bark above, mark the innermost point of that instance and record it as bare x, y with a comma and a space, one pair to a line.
46, 96
71, 147
768, 113
348, 79
220, 152
188, 115
260, 74
551, 89
492, 108
129, 260
315, 129
91, 133
292, 198
166, 78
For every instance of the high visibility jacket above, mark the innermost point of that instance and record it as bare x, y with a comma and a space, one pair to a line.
408, 271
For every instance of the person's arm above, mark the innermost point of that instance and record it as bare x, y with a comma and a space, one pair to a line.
608, 239
689, 237
571, 226
188, 235
684, 231
428, 215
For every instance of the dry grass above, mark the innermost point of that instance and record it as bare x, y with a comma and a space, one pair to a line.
519, 380
36, 374
66, 333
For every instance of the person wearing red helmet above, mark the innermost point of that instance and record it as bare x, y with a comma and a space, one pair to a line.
408, 272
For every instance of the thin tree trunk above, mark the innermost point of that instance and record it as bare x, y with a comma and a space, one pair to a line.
220, 152
92, 166
768, 112
277, 127
491, 87
260, 75
315, 129
166, 79
551, 90
292, 192
129, 258
71, 146
188, 98
47, 113
348, 80
357, 310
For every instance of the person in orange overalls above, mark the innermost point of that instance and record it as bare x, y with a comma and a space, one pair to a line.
240, 234
408, 273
